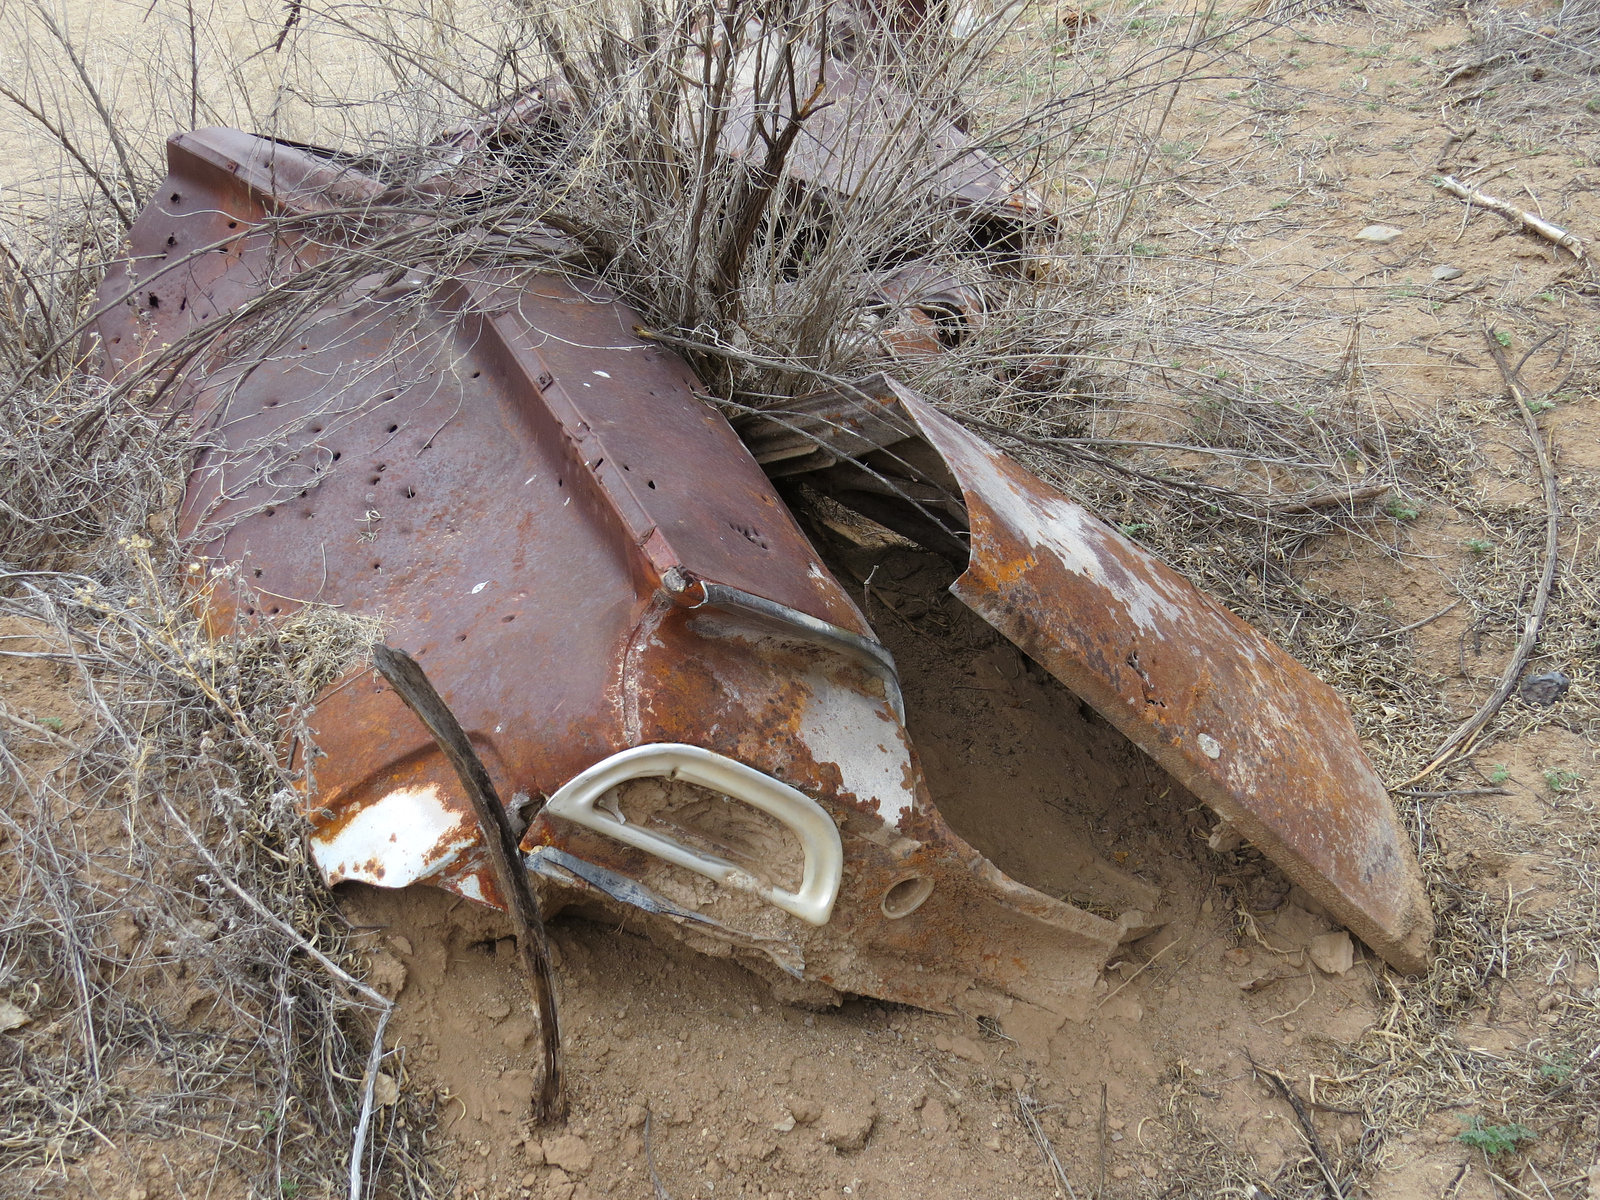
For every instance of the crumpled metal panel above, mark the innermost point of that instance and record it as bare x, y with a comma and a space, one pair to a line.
1231, 716
585, 559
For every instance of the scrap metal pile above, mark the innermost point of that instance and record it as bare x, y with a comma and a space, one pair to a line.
649, 655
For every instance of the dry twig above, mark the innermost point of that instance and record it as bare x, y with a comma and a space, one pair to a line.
1461, 741
1535, 224
413, 686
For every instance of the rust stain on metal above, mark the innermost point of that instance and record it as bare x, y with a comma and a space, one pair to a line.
586, 560
1230, 715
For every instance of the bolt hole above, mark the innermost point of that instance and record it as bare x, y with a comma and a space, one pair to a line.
258, 572
377, 566
508, 618
651, 484
905, 897
275, 610
337, 455
408, 492
461, 637
394, 429
171, 240
475, 374
155, 301
235, 225
175, 197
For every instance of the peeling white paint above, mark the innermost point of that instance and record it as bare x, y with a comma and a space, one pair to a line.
408, 835
603, 374
854, 733
480, 587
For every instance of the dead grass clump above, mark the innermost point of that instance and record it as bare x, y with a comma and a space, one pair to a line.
1545, 62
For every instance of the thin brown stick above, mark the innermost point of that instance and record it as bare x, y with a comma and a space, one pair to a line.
1511, 212
413, 686
1100, 1189
1467, 732
1335, 1191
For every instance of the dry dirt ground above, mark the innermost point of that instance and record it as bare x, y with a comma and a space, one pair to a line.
688, 1079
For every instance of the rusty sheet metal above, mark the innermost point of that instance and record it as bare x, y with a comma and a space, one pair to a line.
586, 561
1231, 716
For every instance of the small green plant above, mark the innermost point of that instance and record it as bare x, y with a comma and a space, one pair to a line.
1493, 1140
1559, 780
1478, 546
1557, 1070
1402, 509
290, 1188
1594, 104
1540, 406
1132, 528
1504, 338
53, 724
1500, 774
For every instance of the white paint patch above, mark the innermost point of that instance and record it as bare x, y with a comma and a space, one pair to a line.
471, 887
1209, 746
408, 835
858, 736
603, 374
480, 587
1056, 525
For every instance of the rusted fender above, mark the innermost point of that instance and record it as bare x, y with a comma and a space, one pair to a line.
596, 576
1230, 715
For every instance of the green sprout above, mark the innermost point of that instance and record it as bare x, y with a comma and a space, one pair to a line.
1401, 509
1558, 780
1493, 1140
1500, 774
1478, 545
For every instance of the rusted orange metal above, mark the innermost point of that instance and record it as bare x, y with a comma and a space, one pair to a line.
1235, 719
603, 584
588, 563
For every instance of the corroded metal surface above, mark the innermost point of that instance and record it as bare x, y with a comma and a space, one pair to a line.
583, 557
1235, 719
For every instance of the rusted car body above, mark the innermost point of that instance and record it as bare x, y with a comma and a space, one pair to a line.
644, 647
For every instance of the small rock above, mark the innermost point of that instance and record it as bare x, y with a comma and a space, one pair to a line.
1594, 1182
961, 1047
1444, 273
783, 1124
935, 1116
847, 1126
386, 974
1225, 839
1136, 924
1544, 689
401, 943
569, 1152
1333, 952
1379, 235
804, 1110
497, 1009
634, 1116
385, 1091
533, 1151
12, 1017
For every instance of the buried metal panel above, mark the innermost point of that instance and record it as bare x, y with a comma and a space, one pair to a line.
1234, 718
585, 559
1231, 716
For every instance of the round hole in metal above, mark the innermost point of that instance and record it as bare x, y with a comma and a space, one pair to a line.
905, 897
